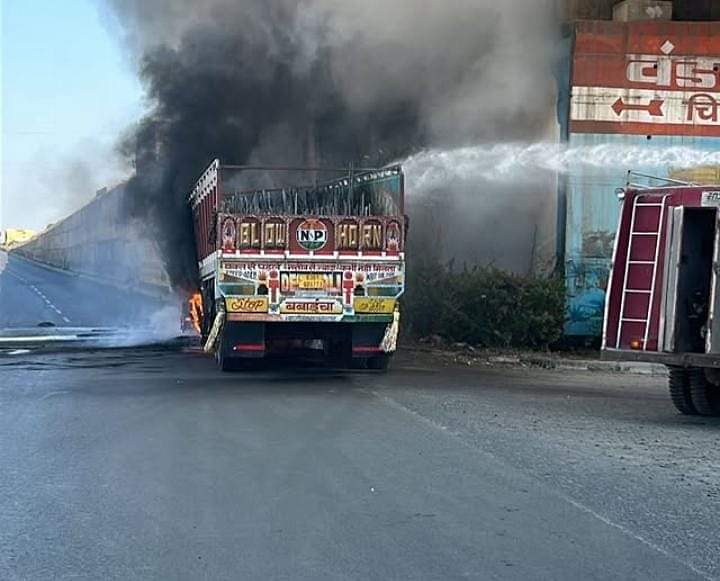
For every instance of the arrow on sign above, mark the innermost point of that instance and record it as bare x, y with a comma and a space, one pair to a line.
654, 107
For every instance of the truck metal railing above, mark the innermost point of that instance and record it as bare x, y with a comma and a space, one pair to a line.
361, 191
318, 169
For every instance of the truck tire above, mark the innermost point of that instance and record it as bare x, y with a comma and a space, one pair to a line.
379, 362
208, 306
678, 382
337, 354
705, 396
224, 363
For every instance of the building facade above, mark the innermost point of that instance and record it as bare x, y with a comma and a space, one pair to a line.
645, 85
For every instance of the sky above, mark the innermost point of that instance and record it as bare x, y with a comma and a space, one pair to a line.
68, 92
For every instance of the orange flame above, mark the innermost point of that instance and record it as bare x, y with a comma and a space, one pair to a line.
195, 308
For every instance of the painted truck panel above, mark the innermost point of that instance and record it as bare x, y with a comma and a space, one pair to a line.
331, 252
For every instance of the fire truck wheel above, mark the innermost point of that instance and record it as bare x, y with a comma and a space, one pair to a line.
705, 396
678, 381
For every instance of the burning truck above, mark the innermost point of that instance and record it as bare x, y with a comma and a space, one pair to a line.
663, 301
280, 264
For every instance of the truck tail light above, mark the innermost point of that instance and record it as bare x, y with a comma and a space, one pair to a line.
636, 344
367, 349
249, 347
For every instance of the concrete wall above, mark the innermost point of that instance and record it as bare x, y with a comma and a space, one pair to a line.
98, 241
603, 9
587, 9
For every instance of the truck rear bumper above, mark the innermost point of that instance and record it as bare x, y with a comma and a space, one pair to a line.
245, 340
679, 359
257, 339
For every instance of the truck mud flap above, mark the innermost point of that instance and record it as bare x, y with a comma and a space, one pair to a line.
217, 325
367, 339
243, 340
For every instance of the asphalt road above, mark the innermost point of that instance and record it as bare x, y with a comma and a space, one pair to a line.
151, 464
31, 294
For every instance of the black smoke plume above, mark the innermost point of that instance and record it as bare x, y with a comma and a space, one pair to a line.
320, 81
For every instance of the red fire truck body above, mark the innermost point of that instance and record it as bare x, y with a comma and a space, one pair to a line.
663, 298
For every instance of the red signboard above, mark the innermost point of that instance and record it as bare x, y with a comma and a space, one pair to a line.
654, 78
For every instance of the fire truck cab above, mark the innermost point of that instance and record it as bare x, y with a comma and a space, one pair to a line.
663, 298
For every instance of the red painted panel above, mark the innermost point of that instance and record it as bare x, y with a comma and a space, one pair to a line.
647, 219
643, 248
372, 236
651, 78
636, 305
632, 332
639, 275
615, 285
305, 233
690, 38
625, 128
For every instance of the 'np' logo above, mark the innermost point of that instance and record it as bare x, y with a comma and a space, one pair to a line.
312, 234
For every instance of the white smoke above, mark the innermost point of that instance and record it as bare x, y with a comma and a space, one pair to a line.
160, 326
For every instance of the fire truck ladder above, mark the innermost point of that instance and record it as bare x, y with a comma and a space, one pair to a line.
640, 208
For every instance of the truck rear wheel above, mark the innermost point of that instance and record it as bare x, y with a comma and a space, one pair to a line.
224, 363
705, 395
678, 382
337, 353
379, 362
208, 309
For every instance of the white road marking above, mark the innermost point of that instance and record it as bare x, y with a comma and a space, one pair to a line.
55, 393
37, 291
37, 339
48, 302
17, 276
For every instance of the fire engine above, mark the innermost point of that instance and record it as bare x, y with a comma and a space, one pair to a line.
663, 300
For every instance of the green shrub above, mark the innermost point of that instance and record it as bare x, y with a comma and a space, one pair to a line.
484, 306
